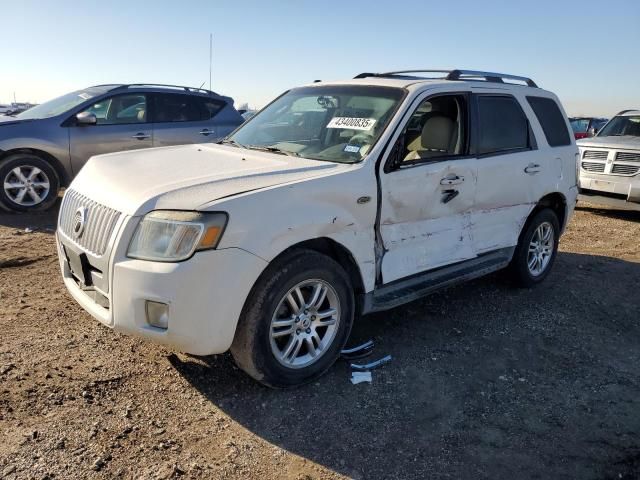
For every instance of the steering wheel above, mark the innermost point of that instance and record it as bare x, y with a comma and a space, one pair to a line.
361, 139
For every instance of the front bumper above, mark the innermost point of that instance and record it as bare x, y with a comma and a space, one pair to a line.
614, 186
205, 295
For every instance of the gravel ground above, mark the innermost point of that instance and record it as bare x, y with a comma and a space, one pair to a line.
487, 381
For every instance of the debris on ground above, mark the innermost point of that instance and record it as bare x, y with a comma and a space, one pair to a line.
359, 377
370, 366
359, 351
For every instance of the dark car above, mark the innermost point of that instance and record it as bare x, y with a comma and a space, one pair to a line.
43, 148
584, 127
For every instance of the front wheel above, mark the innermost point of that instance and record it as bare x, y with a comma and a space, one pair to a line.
537, 249
295, 321
29, 183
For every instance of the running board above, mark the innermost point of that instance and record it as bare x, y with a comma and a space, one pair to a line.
417, 286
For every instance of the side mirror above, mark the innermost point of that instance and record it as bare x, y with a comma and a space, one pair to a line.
592, 132
86, 118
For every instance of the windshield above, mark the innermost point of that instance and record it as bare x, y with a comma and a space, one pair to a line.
579, 125
618, 126
61, 104
333, 123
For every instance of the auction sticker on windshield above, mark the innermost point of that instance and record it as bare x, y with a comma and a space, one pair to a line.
352, 123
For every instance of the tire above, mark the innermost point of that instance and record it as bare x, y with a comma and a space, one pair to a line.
521, 269
40, 180
260, 347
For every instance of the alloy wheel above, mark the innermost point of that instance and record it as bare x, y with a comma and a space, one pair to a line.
305, 323
540, 249
26, 185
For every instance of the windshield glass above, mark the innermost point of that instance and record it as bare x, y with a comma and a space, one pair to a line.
579, 125
333, 123
622, 126
61, 104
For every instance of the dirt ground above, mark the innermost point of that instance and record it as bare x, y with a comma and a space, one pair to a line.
486, 381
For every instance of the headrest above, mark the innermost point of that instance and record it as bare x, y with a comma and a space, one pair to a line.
436, 133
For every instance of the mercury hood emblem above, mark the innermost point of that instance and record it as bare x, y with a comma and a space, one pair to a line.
79, 220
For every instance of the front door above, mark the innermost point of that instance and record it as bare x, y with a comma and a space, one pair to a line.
428, 190
121, 125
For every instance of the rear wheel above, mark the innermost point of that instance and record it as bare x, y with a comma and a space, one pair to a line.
29, 183
537, 249
295, 321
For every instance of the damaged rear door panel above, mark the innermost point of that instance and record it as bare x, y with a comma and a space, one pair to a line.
513, 174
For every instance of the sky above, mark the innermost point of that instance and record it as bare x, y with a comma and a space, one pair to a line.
584, 51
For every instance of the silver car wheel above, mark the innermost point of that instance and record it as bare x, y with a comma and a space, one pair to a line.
541, 249
305, 323
26, 185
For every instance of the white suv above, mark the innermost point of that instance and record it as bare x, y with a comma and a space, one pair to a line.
336, 200
610, 163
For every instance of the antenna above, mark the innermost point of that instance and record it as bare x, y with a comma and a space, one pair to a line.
210, 56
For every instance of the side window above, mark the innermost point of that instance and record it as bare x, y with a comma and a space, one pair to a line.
121, 109
208, 107
552, 121
502, 125
436, 129
171, 107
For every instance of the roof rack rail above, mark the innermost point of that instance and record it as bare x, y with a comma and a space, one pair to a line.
457, 74
179, 87
627, 111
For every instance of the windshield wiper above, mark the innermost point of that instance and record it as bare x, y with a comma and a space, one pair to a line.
265, 148
228, 141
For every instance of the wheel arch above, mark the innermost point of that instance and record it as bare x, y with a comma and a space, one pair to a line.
557, 202
338, 252
63, 177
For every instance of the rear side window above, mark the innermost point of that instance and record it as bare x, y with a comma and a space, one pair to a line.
208, 107
551, 120
503, 126
171, 107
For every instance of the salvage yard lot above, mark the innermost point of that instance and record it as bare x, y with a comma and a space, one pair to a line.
486, 381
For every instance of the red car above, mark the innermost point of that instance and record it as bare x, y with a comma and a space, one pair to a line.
584, 127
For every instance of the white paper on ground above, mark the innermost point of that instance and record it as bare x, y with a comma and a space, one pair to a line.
359, 377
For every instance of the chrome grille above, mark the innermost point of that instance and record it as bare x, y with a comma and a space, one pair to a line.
595, 154
99, 223
628, 156
593, 167
619, 169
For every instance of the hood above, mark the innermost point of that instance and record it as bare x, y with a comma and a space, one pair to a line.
188, 176
626, 142
7, 120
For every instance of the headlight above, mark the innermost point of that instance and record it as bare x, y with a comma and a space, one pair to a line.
170, 236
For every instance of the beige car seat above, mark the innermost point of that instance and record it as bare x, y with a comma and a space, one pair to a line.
435, 140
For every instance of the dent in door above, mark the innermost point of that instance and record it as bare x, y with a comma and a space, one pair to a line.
422, 235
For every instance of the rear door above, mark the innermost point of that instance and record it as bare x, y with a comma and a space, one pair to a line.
513, 173
428, 189
122, 124
181, 119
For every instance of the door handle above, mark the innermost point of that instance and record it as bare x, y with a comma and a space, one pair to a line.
449, 195
532, 169
141, 136
452, 180
206, 132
